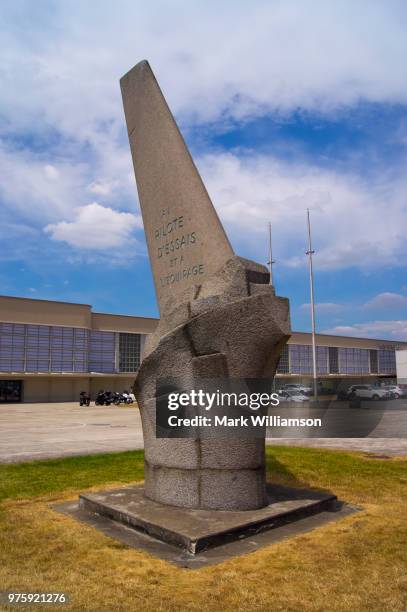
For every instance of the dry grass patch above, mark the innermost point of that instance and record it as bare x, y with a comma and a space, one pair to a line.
358, 563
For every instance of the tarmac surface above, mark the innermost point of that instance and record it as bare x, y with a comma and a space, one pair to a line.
45, 431
42, 431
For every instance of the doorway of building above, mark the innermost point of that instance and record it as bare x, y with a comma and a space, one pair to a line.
11, 390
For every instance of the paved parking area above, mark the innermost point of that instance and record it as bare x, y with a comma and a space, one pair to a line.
377, 446
388, 419
39, 431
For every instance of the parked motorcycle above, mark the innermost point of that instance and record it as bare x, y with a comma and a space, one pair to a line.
122, 398
84, 399
127, 397
104, 398
118, 398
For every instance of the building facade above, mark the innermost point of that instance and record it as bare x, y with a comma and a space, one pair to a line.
340, 360
50, 351
401, 366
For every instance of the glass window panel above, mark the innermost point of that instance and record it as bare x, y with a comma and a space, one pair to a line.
387, 361
129, 352
283, 366
17, 365
374, 367
12, 347
102, 351
300, 359
322, 359
354, 361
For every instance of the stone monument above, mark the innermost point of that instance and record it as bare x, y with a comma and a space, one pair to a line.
219, 316
219, 319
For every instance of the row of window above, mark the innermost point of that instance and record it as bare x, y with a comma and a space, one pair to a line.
297, 359
47, 348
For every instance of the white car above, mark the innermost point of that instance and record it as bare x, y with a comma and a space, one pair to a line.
292, 396
297, 388
368, 392
395, 391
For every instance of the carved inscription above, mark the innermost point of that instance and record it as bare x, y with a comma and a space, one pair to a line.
173, 242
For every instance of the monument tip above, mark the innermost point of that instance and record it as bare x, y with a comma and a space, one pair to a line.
186, 241
143, 64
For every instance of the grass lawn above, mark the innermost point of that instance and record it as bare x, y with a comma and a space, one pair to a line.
357, 563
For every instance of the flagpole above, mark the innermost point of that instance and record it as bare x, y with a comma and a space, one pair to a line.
270, 261
310, 253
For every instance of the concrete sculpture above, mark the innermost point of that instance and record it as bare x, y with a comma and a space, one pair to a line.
219, 316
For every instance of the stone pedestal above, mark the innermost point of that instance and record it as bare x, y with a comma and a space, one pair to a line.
195, 531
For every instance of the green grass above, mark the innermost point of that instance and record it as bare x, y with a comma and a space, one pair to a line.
35, 478
358, 563
289, 465
355, 476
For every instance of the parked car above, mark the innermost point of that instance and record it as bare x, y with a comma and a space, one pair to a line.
396, 391
298, 388
368, 392
292, 396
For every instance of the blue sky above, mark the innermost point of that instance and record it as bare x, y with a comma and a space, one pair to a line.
284, 105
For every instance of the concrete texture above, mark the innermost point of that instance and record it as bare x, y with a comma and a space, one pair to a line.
219, 315
215, 336
197, 530
185, 239
172, 554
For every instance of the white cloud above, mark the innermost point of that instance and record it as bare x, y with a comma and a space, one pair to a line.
387, 301
238, 60
96, 227
382, 301
350, 228
51, 172
395, 330
355, 222
215, 64
102, 188
34, 194
36, 190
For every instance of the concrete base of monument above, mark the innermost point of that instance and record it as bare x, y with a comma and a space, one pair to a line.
195, 538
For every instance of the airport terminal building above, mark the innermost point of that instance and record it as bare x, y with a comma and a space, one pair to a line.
50, 351
341, 361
